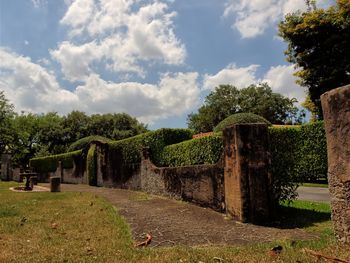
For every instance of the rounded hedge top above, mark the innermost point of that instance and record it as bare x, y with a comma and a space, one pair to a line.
240, 118
84, 142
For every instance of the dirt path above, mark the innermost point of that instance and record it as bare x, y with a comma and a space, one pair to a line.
174, 222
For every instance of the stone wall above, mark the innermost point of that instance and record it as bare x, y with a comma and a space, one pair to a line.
336, 112
247, 176
239, 184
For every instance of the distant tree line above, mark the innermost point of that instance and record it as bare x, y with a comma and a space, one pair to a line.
28, 135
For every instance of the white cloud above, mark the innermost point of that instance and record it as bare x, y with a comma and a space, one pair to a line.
240, 77
280, 79
121, 33
32, 88
39, 3
253, 17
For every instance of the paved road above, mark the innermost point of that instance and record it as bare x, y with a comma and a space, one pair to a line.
318, 194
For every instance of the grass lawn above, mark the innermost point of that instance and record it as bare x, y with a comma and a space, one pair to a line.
315, 185
80, 227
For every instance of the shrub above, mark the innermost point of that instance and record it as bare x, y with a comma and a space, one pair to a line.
130, 149
205, 150
240, 118
91, 165
50, 163
84, 142
298, 154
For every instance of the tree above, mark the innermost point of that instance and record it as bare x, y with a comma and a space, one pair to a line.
318, 44
226, 100
6, 114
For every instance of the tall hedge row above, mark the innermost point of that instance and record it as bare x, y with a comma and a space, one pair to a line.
205, 150
130, 149
298, 154
91, 165
50, 163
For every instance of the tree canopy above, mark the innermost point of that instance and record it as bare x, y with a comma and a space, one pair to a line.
318, 44
226, 100
28, 135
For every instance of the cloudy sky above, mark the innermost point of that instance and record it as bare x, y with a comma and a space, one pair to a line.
153, 59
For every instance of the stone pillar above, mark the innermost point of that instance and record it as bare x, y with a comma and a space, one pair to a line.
6, 167
336, 113
246, 173
55, 184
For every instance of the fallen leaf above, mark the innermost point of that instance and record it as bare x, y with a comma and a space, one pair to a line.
54, 225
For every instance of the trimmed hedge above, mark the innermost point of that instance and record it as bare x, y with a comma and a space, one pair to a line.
205, 150
91, 165
130, 149
50, 163
240, 118
298, 154
84, 142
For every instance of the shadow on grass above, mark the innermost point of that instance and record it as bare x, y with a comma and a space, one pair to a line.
289, 217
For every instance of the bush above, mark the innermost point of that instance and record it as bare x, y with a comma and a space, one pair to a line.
84, 142
130, 149
240, 118
91, 165
298, 154
205, 150
50, 163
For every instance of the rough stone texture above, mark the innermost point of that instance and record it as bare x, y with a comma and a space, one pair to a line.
15, 175
336, 112
247, 177
199, 184
55, 184
6, 171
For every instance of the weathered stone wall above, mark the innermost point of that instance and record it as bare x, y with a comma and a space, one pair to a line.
6, 169
336, 112
247, 177
199, 184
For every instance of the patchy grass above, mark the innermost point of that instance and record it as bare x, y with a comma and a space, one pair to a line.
80, 227
325, 185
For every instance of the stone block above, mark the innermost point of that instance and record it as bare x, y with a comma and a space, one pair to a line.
55, 184
336, 113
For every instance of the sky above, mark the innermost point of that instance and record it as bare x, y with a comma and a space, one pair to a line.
156, 60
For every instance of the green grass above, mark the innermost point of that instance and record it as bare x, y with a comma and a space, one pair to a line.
80, 227
315, 185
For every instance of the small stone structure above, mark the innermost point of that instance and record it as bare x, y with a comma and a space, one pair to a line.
55, 184
336, 112
6, 171
247, 177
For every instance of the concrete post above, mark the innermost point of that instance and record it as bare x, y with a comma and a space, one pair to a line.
336, 113
6, 167
246, 173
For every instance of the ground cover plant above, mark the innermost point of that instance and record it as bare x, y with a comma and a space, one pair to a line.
81, 227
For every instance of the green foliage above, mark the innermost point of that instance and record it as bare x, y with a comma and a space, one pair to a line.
240, 118
130, 149
91, 165
6, 115
84, 142
50, 163
205, 150
318, 44
226, 100
298, 154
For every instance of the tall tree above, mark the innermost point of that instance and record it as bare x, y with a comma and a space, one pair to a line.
226, 100
318, 44
6, 114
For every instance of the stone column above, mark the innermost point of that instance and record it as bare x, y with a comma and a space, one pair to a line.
6, 167
336, 113
246, 174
